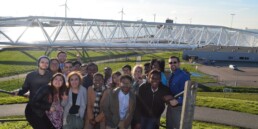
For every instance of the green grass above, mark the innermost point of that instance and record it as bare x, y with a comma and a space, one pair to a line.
117, 66
238, 105
14, 62
11, 85
241, 102
15, 125
240, 96
12, 99
17, 62
161, 55
203, 125
203, 88
195, 125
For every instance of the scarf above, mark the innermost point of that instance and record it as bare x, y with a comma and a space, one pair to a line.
96, 106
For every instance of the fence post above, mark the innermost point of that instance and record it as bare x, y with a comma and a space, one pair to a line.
188, 105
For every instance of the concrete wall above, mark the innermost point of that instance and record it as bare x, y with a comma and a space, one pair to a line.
222, 56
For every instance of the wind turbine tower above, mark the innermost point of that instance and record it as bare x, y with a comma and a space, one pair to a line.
66, 7
122, 14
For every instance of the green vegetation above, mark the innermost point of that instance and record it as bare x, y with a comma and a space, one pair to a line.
203, 88
10, 86
12, 99
117, 66
205, 125
160, 55
15, 125
240, 96
202, 125
17, 62
25, 125
246, 106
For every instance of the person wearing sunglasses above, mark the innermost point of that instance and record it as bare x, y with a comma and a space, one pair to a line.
176, 84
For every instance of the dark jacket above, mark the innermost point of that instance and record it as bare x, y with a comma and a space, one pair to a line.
40, 102
33, 82
151, 104
87, 81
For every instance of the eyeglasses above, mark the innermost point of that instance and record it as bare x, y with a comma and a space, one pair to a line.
173, 62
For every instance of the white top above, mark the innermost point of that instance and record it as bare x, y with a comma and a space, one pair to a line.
123, 104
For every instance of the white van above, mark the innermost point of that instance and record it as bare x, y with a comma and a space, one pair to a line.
231, 66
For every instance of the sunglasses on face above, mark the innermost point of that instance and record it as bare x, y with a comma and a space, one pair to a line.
173, 62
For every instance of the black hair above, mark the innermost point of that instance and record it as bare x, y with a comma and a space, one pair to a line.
146, 64
63, 89
127, 66
59, 69
152, 72
76, 62
41, 57
98, 74
92, 64
60, 52
126, 77
175, 58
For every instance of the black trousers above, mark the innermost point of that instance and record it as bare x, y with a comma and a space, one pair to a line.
37, 122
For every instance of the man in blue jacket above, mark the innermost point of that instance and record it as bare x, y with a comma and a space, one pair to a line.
176, 85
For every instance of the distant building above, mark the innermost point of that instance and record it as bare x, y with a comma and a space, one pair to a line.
222, 53
169, 20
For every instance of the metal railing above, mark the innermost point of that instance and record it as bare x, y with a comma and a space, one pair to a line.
96, 33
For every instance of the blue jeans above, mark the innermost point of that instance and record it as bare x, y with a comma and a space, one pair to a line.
149, 123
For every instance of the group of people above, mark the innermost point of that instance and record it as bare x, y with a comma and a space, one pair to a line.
73, 95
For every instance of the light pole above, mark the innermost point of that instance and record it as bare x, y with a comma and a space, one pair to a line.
232, 17
154, 17
175, 19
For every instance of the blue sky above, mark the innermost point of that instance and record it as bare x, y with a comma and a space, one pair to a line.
208, 12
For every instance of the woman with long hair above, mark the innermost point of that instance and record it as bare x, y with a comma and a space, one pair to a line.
46, 104
54, 66
76, 102
115, 80
160, 66
137, 77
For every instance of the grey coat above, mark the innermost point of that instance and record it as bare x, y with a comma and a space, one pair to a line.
80, 101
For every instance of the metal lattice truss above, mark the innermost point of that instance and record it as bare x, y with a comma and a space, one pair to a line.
74, 32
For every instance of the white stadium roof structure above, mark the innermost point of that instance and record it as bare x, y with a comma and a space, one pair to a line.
38, 31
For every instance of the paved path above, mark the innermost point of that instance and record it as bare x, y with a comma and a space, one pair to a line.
12, 110
23, 75
225, 117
